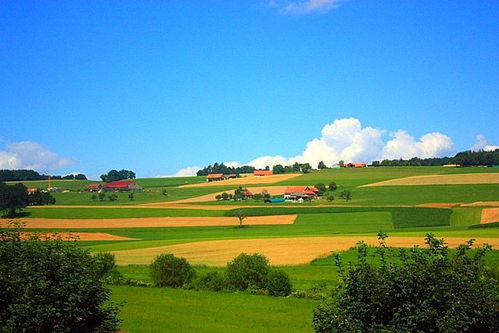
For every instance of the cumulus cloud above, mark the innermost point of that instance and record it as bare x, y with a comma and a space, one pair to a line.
482, 144
31, 155
347, 140
300, 7
185, 172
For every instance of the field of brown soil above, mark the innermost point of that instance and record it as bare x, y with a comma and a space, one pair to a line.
148, 222
455, 179
82, 236
249, 180
280, 251
490, 215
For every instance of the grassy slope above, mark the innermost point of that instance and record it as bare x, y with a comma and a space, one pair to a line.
106, 213
169, 181
150, 195
72, 185
169, 310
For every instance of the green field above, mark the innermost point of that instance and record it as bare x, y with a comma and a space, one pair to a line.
391, 209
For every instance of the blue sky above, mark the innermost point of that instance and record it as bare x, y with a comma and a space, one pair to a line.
157, 86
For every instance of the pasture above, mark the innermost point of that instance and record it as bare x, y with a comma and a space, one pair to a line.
299, 238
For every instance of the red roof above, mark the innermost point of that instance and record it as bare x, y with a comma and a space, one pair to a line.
119, 184
94, 186
301, 189
263, 172
32, 189
215, 175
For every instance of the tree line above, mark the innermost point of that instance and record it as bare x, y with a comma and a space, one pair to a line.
20, 175
466, 158
297, 167
222, 168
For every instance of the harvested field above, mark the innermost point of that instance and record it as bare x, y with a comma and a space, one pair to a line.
249, 180
438, 205
82, 236
148, 222
455, 179
273, 190
482, 204
490, 215
280, 251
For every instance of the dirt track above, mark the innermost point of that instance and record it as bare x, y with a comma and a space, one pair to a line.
148, 222
280, 251
455, 179
249, 180
490, 215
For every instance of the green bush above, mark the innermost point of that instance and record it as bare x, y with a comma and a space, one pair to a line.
51, 286
248, 270
105, 263
170, 271
212, 281
278, 283
420, 290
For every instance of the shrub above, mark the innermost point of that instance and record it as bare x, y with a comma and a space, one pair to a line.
212, 281
170, 271
50, 286
278, 283
105, 264
422, 290
248, 270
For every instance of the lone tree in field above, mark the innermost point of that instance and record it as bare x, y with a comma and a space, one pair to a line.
418, 290
332, 186
346, 195
13, 198
50, 285
321, 165
239, 213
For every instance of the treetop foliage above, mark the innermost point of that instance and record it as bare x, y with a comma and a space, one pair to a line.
115, 175
428, 289
222, 168
466, 158
20, 175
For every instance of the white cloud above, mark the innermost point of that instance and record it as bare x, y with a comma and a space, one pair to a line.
345, 139
405, 146
31, 155
300, 7
482, 144
185, 172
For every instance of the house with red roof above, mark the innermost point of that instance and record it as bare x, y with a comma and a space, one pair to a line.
94, 187
300, 192
122, 185
213, 177
263, 173
356, 165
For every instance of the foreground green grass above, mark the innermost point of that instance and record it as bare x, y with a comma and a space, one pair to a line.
170, 310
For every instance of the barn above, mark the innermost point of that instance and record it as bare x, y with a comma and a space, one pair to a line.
213, 177
300, 192
122, 185
263, 173
356, 165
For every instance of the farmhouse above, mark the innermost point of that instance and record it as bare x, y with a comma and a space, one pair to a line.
300, 192
263, 173
123, 185
94, 187
213, 177
32, 190
356, 165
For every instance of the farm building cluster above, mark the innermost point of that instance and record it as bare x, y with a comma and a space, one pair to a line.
116, 186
